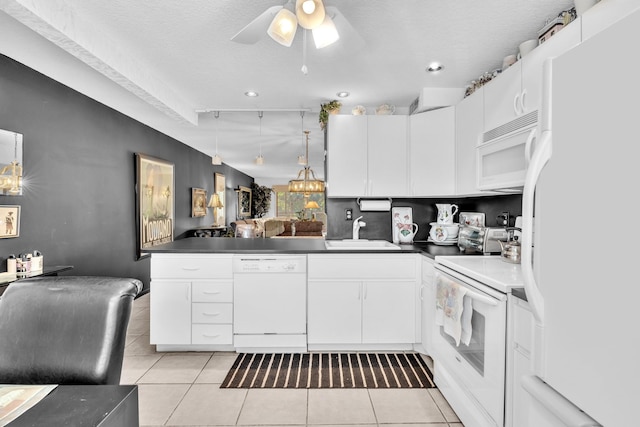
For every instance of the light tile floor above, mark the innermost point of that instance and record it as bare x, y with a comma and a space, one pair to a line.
183, 389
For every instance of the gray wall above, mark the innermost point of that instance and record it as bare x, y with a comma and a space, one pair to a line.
78, 206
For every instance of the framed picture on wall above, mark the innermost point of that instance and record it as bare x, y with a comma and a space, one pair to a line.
244, 202
198, 202
155, 189
220, 189
9, 221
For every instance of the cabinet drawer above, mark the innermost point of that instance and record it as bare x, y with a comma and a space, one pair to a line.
211, 334
206, 291
211, 312
363, 266
428, 270
191, 266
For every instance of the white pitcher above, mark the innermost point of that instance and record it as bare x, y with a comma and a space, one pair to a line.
446, 213
407, 232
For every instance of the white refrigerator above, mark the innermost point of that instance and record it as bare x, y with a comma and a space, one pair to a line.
581, 214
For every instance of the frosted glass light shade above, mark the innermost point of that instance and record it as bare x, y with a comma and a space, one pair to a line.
283, 27
326, 33
216, 160
311, 20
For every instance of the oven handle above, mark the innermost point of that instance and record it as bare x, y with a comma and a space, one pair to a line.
476, 296
489, 300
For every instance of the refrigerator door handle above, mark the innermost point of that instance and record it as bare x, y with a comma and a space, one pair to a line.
558, 405
538, 161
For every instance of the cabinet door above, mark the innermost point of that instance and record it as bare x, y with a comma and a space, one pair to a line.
561, 42
388, 312
346, 156
170, 312
432, 153
469, 127
334, 312
387, 156
502, 97
428, 296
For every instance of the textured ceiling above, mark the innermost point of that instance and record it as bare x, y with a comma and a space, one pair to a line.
176, 58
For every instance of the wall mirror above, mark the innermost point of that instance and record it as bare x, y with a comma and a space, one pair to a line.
244, 201
10, 163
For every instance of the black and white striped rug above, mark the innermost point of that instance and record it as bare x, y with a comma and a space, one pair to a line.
329, 370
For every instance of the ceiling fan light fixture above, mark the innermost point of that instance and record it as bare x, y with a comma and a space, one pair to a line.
326, 34
283, 27
313, 19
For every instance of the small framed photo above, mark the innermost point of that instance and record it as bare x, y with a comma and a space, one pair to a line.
9, 221
198, 202
474, 219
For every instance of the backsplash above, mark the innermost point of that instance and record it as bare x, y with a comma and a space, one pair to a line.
424, 211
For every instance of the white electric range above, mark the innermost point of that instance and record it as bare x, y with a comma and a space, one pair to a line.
470, 373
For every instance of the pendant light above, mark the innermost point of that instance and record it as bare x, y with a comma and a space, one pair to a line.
216, 160
306, 181
302, 160
260, 160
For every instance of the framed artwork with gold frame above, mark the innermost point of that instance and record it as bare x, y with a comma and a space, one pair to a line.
155, 189
220, 189
198, 202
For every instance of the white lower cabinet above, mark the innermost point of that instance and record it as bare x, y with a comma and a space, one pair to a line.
361, 301
191, 305
170, 312
428, 303
519, 402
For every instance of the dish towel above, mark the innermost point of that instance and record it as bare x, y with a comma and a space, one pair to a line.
450, 307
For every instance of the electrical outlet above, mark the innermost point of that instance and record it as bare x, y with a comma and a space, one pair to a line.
348, 214
503, 219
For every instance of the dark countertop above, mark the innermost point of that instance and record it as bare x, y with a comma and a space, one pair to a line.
285, 246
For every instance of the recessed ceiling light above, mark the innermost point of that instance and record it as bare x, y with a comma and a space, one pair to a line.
251, 93
434, 67
343, 94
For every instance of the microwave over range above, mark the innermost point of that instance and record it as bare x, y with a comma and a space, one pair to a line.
503, 154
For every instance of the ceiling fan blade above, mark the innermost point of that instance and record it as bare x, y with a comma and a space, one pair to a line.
348, 34
256, 29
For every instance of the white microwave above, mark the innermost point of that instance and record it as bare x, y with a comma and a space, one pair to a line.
502, 160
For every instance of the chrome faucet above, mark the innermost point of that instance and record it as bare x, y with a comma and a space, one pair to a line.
356, 227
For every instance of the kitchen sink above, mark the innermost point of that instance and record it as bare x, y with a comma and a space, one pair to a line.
360, 245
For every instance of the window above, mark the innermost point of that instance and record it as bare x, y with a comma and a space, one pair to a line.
292, 204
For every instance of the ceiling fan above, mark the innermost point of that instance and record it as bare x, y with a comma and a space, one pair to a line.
327, 24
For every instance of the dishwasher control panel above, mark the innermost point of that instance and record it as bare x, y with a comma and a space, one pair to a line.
269, 264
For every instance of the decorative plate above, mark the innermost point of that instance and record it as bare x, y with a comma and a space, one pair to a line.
440, 234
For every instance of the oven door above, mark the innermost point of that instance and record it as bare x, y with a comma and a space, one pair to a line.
472, 376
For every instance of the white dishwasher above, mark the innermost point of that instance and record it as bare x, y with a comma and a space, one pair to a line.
270, 303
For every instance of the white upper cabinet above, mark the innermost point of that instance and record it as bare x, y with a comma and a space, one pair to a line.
502, 97
561, 42
517, 91
432, 153
469, 126
346, 156
367, 156
604, 14
387, 156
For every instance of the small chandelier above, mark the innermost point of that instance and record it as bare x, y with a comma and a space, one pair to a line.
306, 181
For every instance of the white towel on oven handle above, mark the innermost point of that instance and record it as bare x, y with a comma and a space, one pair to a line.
450, 307
467, 312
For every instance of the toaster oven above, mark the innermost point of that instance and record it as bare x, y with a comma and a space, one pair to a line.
481, 239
